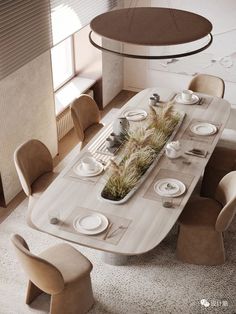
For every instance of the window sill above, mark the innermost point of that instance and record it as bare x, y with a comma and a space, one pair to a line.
70, 91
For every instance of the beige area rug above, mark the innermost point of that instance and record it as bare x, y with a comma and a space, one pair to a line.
155, 282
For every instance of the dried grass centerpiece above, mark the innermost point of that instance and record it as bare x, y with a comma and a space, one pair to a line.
142, 147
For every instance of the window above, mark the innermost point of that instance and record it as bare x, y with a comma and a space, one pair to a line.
63, 68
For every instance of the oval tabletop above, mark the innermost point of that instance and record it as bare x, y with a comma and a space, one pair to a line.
142, 222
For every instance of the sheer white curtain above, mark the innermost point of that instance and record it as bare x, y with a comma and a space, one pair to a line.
68, 16
25, 32
28, 28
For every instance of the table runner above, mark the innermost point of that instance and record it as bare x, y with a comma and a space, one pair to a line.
186, 178
67, 225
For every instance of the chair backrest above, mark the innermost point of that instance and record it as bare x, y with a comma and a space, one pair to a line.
208, 84
42, 273
226, 195
32, 159
84, 112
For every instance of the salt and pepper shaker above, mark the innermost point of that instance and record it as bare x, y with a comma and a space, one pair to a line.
156, 96
154, 99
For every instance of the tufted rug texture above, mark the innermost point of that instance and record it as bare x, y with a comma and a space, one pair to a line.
153, 283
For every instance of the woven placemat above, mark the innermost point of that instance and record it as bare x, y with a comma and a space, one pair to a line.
115, 233
205, 101
71, 174
189, 135
186, 178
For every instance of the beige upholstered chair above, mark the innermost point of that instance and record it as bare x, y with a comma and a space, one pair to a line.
200, 239
60, 271
222, 161
34, 166
208, 84
86, 117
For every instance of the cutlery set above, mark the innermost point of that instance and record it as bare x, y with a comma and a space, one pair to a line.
109, 235
201, 101
197, 152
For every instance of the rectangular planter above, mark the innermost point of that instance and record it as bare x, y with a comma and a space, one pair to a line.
149, 170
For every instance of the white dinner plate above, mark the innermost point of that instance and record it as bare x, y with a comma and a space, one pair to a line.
169, 187
78, 169
194, 100
203, 128
90, 224
135, 114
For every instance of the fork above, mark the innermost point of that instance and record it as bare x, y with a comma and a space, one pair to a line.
114, 231
201, 101
102, 162
107, 231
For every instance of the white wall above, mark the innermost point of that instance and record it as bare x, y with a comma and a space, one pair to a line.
26, 112
112, 73
139, 74
92, 63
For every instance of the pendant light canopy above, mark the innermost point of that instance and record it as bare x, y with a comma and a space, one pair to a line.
168, 33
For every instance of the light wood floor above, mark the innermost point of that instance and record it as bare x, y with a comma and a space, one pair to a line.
66, 144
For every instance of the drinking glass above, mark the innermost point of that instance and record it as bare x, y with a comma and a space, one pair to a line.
167, 202
54, 216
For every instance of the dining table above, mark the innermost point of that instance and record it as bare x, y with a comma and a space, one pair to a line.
143, 221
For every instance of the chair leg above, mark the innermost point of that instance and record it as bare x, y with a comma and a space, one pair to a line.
32, 292
200, 245
76, 298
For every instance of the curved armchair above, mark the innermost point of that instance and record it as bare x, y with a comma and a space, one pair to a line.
86, 117
34, 166
208, 84
200, 239
60, 271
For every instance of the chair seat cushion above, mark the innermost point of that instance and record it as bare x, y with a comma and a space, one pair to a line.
37, 188
200, 211
41, 184
228, 139
91, 131
71, 263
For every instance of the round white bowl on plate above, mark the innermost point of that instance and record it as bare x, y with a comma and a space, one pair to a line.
195, 99
91, 224
79, 170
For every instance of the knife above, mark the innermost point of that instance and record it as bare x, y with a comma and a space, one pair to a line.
107, 231
202, 154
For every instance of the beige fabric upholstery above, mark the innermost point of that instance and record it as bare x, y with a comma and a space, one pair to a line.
85, 115
34, 166
32, 160
228, 139
200, 239
37, 188
208, 84
61, 271
226, 196
222, 161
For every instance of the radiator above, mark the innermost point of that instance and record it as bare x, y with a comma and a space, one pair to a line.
65, 122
